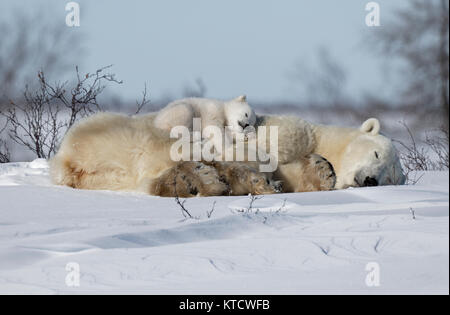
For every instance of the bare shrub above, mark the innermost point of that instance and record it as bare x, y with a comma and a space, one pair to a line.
250, 212
82, 99
181, 204
439, 144
39, 121
413, 156
187, 214
31, 41
35, 125
432, 154
250, 207
5, 155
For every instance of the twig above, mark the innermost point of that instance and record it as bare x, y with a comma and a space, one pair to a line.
143, 101
184, 211
252, 201
413, 213
283, 206
209, 213
249, 209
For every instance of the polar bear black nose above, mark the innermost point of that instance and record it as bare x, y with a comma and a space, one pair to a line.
243, 124
370, 181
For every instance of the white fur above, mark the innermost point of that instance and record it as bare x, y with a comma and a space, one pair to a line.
371, 125
234, 114
357, 154
351, 151
212, 112
111, 151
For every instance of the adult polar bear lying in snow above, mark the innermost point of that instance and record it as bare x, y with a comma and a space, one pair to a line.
118, 152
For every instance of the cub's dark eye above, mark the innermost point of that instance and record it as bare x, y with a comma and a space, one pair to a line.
246, 115
376, 155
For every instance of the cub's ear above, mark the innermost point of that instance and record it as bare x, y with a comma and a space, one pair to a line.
371, 125
241, 99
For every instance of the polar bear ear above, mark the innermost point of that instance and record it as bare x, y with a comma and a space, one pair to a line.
242, 99
371, 125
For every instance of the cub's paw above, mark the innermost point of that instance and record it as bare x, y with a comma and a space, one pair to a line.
324, 171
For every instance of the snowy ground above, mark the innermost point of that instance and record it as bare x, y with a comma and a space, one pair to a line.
130, 243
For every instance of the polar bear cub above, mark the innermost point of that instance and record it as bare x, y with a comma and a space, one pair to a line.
235, 114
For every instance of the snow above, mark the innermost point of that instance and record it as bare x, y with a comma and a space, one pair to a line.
300, 243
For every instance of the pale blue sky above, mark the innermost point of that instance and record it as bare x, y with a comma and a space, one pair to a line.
235, 46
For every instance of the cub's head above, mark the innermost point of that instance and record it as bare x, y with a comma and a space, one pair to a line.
370, 159
239, 115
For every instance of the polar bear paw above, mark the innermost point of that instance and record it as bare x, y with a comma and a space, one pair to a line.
324, 170
188, 179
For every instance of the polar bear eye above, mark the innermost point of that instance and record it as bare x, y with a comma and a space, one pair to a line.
246, 115
376, 155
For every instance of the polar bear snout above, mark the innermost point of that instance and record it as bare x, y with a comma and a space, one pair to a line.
367, 179
370, 181
243, 124
364, 180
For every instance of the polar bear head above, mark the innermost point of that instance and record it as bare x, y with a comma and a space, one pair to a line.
370, 159
238, 114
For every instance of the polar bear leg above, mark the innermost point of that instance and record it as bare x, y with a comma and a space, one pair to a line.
311, 173
323, 170
65, 171
190, 179
243, 179
187, 179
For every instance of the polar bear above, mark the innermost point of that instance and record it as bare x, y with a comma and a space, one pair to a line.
235, 114
118, 152
359, 156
